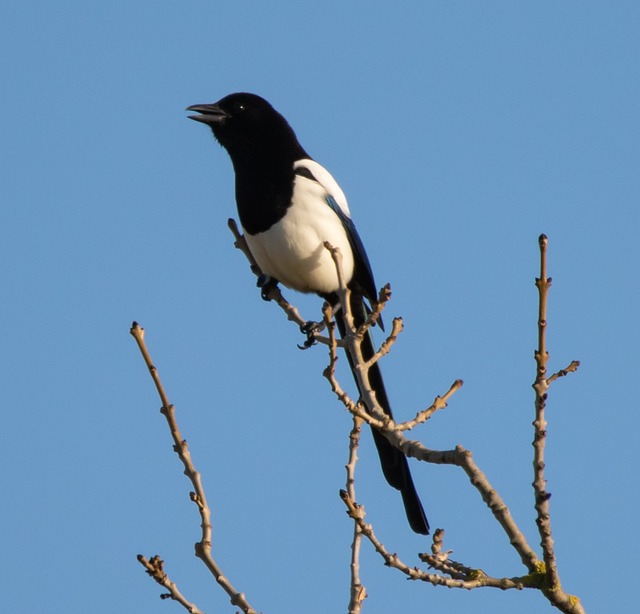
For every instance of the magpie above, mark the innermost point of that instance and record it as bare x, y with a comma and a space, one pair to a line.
289, 205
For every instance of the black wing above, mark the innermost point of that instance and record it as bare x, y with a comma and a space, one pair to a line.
363, 274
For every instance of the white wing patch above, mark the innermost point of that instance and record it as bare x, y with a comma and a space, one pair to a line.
326, 180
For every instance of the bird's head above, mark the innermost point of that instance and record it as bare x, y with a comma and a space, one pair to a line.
246, 125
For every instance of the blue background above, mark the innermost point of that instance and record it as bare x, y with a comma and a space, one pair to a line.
459, 131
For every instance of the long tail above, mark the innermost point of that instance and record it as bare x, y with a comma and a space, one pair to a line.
394, 463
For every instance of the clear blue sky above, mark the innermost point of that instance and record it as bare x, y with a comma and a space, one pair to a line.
459, 131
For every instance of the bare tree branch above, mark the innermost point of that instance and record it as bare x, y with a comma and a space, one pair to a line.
358, 592
552, 587
203, 547
374, 416
541, 386
543, 575
463, 577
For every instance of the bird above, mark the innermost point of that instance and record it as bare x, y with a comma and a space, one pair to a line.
289, 206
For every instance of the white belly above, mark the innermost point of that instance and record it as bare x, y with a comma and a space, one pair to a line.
292, 251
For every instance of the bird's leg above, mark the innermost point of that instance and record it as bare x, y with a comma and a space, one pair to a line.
309, 329
266, 284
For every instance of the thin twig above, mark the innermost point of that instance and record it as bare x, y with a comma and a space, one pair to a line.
385, 348
155, 568
384, 295
343, 290
358, 591
571, 368
203, 547
330, 371
425, 414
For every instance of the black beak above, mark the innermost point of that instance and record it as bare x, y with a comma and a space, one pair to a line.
209, 113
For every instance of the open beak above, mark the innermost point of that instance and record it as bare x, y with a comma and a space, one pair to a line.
209, 113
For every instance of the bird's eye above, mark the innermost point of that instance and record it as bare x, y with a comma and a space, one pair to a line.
239, 107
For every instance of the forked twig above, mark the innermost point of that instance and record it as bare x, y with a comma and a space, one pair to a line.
470, 579
203, 547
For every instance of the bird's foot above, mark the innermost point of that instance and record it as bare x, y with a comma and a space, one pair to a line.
266, 284
309, 329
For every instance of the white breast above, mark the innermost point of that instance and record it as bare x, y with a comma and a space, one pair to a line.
292, 251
